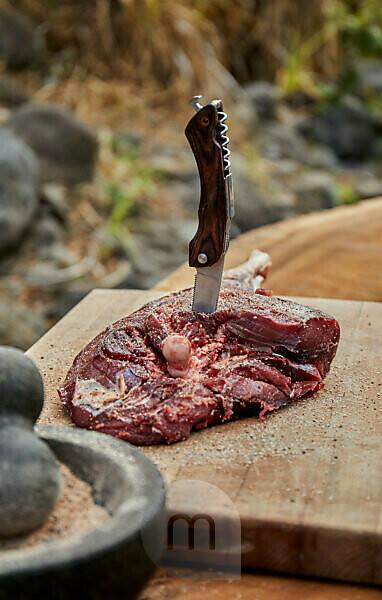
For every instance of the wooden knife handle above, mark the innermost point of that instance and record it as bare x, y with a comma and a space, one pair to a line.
210, 237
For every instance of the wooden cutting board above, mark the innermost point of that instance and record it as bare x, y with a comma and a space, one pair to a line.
328, 254
306, 483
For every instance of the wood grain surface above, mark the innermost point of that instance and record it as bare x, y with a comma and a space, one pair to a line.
183, 584
306, 482
331, 254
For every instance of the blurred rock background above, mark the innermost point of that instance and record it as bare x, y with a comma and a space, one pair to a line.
98, 187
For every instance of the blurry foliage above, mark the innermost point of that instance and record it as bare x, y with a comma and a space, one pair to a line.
354, 28
142, 40
235, 25
179, 46
374, 104
345, 194
126, 183
360, 25
185, 43
297, 72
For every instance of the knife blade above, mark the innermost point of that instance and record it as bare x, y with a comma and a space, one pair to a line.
207, 287
206, 133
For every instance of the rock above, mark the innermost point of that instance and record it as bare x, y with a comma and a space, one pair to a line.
185, 191
369, 75
283, 167
17, 39
116, 278
320, 157
299, 99
53, 197
11, 94
315, 191
58, 254
28, 468
47, 232
19, 178
48, 277
252, 207
20, 325
69, 295
364, 183
243, 113
172, 161
29, 471
48, 241
65, 301
109, 244
378, 153
264, 96
67, 149
347, 129
160, 247
279, 142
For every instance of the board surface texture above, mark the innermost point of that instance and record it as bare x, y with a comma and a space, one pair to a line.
306, 483
329, 254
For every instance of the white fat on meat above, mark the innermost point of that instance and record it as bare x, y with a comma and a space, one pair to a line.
177, 351
96, 396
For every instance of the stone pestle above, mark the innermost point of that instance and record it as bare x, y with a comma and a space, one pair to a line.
29, 474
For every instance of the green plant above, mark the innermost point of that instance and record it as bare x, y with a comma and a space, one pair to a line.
124, 197
345, 193
357, 29
360, 26
296, 72
374, 104
126, 182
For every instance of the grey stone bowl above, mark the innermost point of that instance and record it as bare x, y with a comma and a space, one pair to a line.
115, 559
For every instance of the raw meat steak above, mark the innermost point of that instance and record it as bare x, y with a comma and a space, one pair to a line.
157, 374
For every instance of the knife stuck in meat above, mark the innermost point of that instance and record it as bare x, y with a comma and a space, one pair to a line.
166, 370
207, 135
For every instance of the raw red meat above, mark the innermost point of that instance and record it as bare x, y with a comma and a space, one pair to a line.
157, 374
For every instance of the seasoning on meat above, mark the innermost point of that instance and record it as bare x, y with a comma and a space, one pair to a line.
164, 371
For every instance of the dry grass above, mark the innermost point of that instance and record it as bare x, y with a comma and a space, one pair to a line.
162, 41
114, 61
284, 25
181, 43
99, 102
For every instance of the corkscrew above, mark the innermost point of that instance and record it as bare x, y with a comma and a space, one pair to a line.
224, 141
207, 135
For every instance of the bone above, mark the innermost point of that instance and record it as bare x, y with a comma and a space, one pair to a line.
251, 274
177, 351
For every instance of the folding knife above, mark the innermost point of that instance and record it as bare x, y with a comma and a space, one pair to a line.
207, 136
